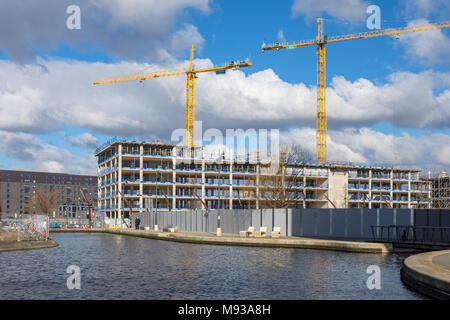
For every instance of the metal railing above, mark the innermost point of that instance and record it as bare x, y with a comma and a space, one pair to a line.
411, 234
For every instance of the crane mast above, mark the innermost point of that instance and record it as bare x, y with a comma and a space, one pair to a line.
190, 102
321, 117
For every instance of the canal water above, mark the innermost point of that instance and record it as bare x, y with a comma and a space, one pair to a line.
123, 267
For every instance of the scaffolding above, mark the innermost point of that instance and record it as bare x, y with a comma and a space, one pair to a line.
424, 197
440, 191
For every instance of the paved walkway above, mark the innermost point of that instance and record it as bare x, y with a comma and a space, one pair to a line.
233, 240
442, 260
428, 273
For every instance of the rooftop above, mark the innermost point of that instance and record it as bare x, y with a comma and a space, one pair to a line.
331, 164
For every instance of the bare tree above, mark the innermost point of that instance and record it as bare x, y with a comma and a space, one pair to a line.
281, 182
35, 205
295, 154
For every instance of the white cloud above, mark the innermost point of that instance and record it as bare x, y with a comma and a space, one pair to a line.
26, 109
350, 10
42, 156
365, 145
427, 8
427, 47
280, 36
406, 100
129, 29
185, 37
148, 14
233, 100
85, 140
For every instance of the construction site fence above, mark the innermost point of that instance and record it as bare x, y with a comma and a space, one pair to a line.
76, 223
351, 223
30, 227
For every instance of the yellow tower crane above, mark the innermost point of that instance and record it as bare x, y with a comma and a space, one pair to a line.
190, 72
321, 117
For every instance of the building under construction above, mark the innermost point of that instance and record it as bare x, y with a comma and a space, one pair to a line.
130, 172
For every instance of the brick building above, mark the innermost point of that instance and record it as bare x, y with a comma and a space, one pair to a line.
17, 195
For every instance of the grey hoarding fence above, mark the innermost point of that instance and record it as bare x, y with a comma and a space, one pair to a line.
351, 223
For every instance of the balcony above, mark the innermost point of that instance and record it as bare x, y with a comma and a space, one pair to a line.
130, 167
107, 158
108, 207
234, 171
381, 178
316, 187
107, 182
158, 168
357, 200
358, 188
184, 169
189, 182
404, 178
155, 155
131, 153
107, 170
358, 177
316, 199
130, 180
156, 195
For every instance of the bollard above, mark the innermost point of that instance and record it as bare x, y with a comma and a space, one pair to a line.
219, 229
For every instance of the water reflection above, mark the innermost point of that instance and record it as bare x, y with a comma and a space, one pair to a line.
122, 267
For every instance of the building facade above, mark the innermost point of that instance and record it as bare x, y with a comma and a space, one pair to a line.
164, 177
61, 191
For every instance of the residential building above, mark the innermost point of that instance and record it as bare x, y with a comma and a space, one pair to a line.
62, 191
166, 176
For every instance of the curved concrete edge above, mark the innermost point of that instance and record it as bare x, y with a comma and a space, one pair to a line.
428, 278
300, 243
26, 245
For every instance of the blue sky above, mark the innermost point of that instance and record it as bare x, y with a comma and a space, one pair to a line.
385, 96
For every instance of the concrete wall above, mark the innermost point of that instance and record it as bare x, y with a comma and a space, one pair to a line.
338, 188
351, 223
